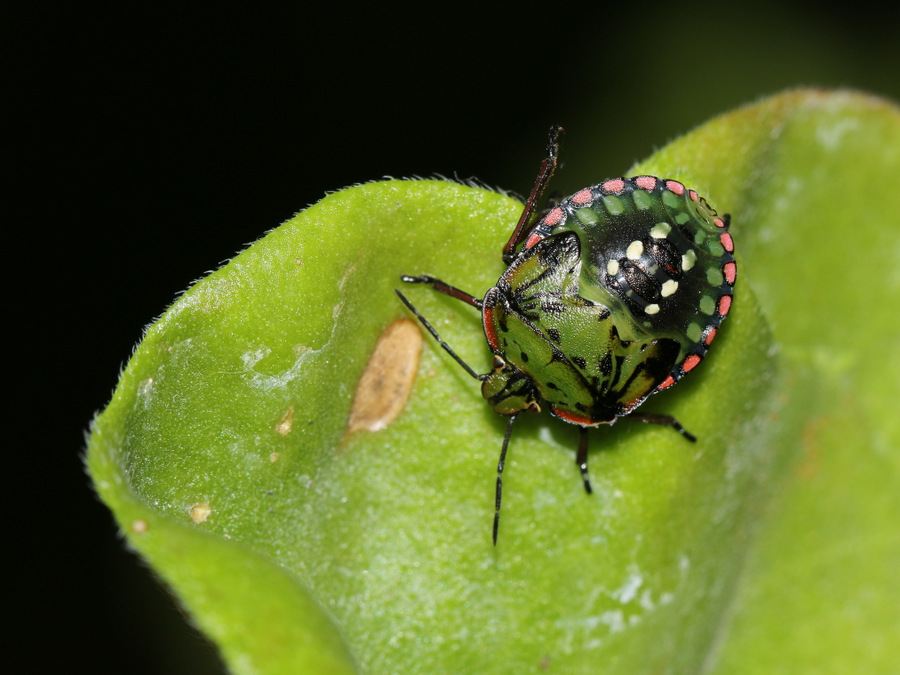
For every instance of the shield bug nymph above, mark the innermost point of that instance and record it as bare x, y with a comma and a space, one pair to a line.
611, 295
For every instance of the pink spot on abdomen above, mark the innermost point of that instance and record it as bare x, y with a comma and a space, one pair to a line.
675, 187
730, 270
645, 182
724, 304
615, 185
727, 242
582, 196
532, 240
554, 217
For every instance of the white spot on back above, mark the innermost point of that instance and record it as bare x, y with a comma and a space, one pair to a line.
669, 287
652, 308
635, 250
660, 230
612, 267
688, 260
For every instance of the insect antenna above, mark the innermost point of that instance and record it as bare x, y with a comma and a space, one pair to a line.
437, 337
548, 166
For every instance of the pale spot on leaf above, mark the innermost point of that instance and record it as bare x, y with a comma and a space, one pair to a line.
286, 423
139, 526
386, 382
200, 512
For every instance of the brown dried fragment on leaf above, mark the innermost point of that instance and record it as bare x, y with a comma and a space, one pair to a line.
386, 382
286, 423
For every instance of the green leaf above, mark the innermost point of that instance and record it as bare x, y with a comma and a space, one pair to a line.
820, 244
299, 546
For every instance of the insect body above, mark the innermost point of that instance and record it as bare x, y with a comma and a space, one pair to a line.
610, 296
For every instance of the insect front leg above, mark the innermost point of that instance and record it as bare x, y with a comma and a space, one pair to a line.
445, 288
498, 493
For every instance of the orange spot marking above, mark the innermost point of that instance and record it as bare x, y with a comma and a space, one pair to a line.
690, 363
615, 185
666, 383
675, 186
582, 196
645, 182
724, 304
710, 336
572, 417
487, 316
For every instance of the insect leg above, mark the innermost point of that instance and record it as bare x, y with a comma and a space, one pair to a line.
499, 493
581, 458
666, 421
445, 288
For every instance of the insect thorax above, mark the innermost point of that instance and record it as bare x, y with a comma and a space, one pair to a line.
564, 347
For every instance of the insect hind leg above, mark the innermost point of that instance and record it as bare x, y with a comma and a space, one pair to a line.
666, 421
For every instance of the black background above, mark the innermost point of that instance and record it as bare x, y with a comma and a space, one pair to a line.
147, 145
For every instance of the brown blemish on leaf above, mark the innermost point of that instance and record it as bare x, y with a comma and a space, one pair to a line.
386, 382
286, 422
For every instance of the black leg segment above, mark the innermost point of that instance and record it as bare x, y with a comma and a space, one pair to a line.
581, 458
498, 494
664, 420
